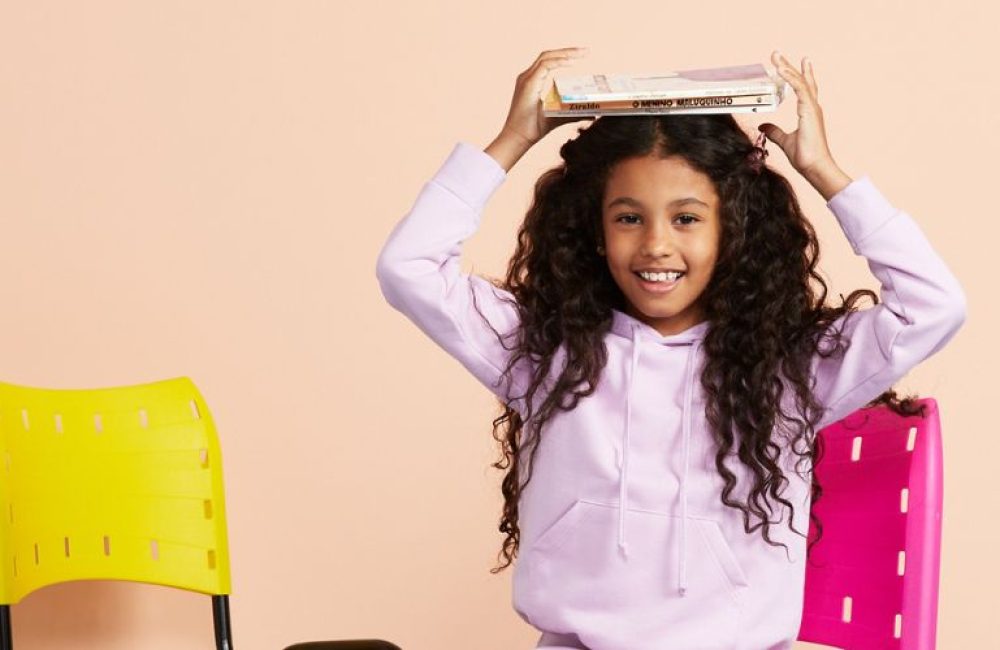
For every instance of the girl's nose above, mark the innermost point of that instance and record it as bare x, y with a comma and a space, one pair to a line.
658, 244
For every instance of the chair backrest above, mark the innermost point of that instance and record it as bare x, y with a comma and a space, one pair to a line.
117, 483
872, 580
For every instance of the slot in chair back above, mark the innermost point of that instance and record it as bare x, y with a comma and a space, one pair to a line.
872, 580
121, 483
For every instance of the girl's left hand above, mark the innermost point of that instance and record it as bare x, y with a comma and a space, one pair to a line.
806, 147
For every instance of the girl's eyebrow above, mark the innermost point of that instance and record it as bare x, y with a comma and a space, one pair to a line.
628, 200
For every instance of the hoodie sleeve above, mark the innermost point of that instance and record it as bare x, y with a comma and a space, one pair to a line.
419, 273
922, 305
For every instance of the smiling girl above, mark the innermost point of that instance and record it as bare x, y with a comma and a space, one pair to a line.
664, 354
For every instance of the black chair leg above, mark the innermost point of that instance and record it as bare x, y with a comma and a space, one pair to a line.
6, 641
220, 615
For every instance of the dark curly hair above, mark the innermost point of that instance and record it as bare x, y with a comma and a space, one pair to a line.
766, 321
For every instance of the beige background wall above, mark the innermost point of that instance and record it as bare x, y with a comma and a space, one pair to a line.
201, 188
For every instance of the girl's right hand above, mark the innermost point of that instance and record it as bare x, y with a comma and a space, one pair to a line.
526, 121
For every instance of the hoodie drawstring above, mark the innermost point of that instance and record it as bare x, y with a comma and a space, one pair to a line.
686, 428
623, 481
686, 416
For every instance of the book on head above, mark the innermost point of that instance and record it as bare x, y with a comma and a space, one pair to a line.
732, 89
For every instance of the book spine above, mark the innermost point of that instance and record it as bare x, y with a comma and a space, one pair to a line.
682, 102
564, 112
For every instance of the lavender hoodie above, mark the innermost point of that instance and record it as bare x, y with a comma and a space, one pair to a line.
625, 543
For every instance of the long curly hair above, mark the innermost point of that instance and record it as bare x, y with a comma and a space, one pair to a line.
766, 319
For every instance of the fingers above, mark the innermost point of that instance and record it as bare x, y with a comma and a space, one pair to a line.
773, 133
535, 80
549, 59
805, 88
564, 51
810, 76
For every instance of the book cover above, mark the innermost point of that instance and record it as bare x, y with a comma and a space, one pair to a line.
752, 79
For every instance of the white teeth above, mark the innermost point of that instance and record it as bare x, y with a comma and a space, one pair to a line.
660, 277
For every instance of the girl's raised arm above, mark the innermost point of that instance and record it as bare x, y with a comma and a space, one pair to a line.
418, 268
921, 305
419, 271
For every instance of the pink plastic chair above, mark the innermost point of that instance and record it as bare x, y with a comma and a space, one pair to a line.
872, 580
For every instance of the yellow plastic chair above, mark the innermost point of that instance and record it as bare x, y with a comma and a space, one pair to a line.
121, 483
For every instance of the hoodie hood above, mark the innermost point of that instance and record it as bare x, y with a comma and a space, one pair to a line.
640, 333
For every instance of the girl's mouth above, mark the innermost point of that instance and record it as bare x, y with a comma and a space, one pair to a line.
664, 286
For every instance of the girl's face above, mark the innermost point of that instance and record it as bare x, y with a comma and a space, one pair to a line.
661, 215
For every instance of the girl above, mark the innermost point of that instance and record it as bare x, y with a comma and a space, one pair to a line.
663, 358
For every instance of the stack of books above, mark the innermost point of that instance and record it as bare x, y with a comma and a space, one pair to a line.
734, 89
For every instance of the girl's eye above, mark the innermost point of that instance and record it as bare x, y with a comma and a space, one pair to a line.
680, 216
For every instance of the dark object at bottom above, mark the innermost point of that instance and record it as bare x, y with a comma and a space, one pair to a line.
365, 644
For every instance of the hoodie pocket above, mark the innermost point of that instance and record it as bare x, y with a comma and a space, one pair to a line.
575, 578
723, 553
